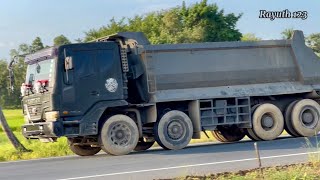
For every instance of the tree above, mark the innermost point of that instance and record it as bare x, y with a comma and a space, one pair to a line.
12, 100
197, 23
287, 33
313, 41
61, 40
36, 45
250, 37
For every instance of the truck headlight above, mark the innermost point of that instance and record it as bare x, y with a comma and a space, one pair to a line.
52, 116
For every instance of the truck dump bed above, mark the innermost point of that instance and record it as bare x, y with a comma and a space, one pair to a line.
230, 69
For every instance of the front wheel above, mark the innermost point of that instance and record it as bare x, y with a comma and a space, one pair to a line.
119, 135
174, 130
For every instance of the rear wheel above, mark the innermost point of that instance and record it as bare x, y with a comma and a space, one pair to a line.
251, 135
288, 120
83, 150
249, 132
216, 136
142, 146
267, 122
305, 117
119, 135
174, 130
228, 133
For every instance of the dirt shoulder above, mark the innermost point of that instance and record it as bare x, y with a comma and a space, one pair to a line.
310, 170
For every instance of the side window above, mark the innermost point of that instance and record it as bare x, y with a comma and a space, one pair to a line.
104, 59
83, 63
91, 64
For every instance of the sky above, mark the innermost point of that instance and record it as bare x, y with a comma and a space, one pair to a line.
23, 20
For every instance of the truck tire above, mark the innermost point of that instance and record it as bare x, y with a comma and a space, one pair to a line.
174, 130
267, 122
142, 146
119, 135
83, 150
249, 132
306, 117
288, 120
252, 136
216, 136
228, 134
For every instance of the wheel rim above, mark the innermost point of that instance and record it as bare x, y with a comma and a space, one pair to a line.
267, 121
120, 134
176, 129
309, 117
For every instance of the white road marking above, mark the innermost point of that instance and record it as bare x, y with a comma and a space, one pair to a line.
186, 166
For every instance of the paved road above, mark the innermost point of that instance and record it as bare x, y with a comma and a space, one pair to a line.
198, 159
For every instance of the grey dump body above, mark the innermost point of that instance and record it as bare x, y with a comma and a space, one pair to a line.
230, 69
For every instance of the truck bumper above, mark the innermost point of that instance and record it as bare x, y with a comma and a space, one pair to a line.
43, 130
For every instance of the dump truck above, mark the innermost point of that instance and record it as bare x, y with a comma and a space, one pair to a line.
122, 94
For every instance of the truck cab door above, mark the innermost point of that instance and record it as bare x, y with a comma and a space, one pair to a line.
96, 76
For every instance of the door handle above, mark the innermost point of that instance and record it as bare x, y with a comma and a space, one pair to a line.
94, 93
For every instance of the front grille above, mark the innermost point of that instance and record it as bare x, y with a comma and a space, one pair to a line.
34, 112
35, 105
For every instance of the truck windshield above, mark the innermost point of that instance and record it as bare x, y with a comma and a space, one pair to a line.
40, 71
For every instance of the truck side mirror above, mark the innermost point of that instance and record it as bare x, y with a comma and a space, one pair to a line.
68, 63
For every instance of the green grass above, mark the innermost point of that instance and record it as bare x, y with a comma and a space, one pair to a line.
14, 119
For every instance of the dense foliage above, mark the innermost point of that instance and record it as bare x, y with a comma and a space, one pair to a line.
249, 37
60, 40
313, 41
201, 22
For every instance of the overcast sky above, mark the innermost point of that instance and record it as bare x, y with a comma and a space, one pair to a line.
22, 20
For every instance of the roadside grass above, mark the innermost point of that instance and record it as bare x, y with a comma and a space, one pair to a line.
14, 119
313, 157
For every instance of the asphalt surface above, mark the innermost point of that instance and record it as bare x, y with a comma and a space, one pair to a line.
157, 164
